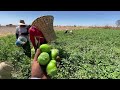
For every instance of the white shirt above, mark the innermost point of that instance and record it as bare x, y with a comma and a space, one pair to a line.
20, 30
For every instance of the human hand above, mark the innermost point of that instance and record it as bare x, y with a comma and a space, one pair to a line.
36, 68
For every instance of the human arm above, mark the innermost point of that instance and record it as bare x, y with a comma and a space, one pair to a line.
17, 33
32, 38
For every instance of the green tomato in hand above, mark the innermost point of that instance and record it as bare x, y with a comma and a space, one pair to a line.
52, 68
54, 53
43, 58
45, 48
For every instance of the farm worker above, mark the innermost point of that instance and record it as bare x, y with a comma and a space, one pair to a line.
36, 37
5, 70
37, 71
22, 31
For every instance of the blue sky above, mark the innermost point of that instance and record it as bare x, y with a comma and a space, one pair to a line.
81, 18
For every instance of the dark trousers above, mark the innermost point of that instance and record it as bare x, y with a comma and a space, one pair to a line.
27, 49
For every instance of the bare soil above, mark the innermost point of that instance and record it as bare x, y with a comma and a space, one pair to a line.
6, 30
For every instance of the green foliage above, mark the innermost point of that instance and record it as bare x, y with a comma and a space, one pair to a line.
89, 54
86, 54
10, 52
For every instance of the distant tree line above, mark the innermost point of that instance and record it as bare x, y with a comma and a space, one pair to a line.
10, 25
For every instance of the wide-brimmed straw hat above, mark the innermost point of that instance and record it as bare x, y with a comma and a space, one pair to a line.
45, 24
22, 22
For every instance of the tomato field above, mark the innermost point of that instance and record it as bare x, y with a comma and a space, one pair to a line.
85, 54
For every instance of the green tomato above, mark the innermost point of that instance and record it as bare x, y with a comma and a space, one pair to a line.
54, 61
43, 58
45, 48
54, 53
51, 68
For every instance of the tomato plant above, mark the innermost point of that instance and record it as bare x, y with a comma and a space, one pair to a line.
85, 54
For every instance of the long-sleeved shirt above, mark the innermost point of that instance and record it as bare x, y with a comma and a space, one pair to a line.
36, 36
